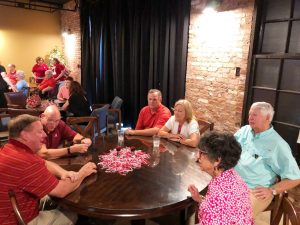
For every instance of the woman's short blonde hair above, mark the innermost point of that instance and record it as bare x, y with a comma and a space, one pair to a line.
189, 112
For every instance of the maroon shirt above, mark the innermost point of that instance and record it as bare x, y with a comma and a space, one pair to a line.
62, 132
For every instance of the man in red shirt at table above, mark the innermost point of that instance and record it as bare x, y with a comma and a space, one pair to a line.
58, 131
31, 178
151, 117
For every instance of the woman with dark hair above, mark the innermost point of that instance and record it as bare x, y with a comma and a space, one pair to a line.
227, 199
77, 103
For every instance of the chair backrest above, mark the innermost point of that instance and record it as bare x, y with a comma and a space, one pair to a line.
84, 125
205, 125
116, 103
290, 216
16, 112
101, 114
4, 119
14, 203
16, 100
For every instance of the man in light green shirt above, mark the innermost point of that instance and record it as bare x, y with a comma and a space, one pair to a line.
265, 155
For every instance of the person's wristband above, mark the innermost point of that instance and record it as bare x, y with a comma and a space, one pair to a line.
69, 150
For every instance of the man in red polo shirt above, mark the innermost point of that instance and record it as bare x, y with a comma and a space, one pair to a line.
151, 117
31, 178
48, 84
57, 132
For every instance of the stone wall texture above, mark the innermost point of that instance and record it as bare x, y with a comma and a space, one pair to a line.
72, 42
219, 43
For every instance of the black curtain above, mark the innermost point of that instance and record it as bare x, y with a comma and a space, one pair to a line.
131, 46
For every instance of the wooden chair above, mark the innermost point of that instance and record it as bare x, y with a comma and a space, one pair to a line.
87, 126
290, 216
15, 206
275, 207
205, 125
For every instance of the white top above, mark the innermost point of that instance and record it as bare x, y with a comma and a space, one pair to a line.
187, 128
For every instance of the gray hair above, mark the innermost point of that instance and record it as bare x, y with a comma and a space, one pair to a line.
265, 108
156, 91
20, 123
20, 74
11, 65
48, 72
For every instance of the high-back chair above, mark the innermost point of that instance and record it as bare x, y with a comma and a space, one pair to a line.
84, 125
4, 119
14, 203
101, 114
290, 216
205, 125
16, 100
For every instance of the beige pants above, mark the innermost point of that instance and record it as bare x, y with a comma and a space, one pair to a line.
259, 205
55, 217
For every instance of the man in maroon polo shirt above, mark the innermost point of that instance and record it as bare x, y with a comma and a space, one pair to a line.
31, 178
58, 131
151, 117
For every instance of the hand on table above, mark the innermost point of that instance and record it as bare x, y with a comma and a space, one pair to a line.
73, 176
86, 141
195, 193
88, 169
80, 148
129, 132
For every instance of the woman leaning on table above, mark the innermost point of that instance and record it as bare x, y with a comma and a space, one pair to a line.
182, 126
227, 199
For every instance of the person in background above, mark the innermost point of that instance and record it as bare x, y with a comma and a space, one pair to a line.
64, 92
11, 87
12, 73
57, 132
21, 84
265, 156
227, 199
77, 103
151, 117
39, 69
59, 68
48, 84
182, 127
31, 178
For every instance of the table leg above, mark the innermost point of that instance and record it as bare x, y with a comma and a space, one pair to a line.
187, 216
138, 222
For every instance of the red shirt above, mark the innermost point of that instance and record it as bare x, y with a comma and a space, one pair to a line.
51, 82
58, 69
13, 78
61, 132
39, 72
24, 172
149, 120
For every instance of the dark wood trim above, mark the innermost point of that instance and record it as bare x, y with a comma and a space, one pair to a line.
286, 124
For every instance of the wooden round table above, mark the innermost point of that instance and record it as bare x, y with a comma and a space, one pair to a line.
154, 190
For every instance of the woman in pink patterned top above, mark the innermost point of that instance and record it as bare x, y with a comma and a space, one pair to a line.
227, 200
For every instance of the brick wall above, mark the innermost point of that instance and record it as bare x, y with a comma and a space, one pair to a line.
72, 43
218, 43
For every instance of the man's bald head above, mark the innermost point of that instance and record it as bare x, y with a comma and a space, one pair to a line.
50, 118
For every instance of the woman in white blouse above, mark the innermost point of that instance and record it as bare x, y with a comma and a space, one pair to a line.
182, 126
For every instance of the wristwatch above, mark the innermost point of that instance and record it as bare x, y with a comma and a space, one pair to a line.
274, 192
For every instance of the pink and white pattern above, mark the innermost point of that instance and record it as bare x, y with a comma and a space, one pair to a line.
123, 161
227, 201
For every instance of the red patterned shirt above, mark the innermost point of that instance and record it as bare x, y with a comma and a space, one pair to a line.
26, 174
227, 201
147, 119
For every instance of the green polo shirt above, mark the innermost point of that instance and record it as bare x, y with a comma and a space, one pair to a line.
264, 156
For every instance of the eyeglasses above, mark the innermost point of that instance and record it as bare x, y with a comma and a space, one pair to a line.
200, 153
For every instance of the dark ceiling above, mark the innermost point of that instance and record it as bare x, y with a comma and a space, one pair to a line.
41, 5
